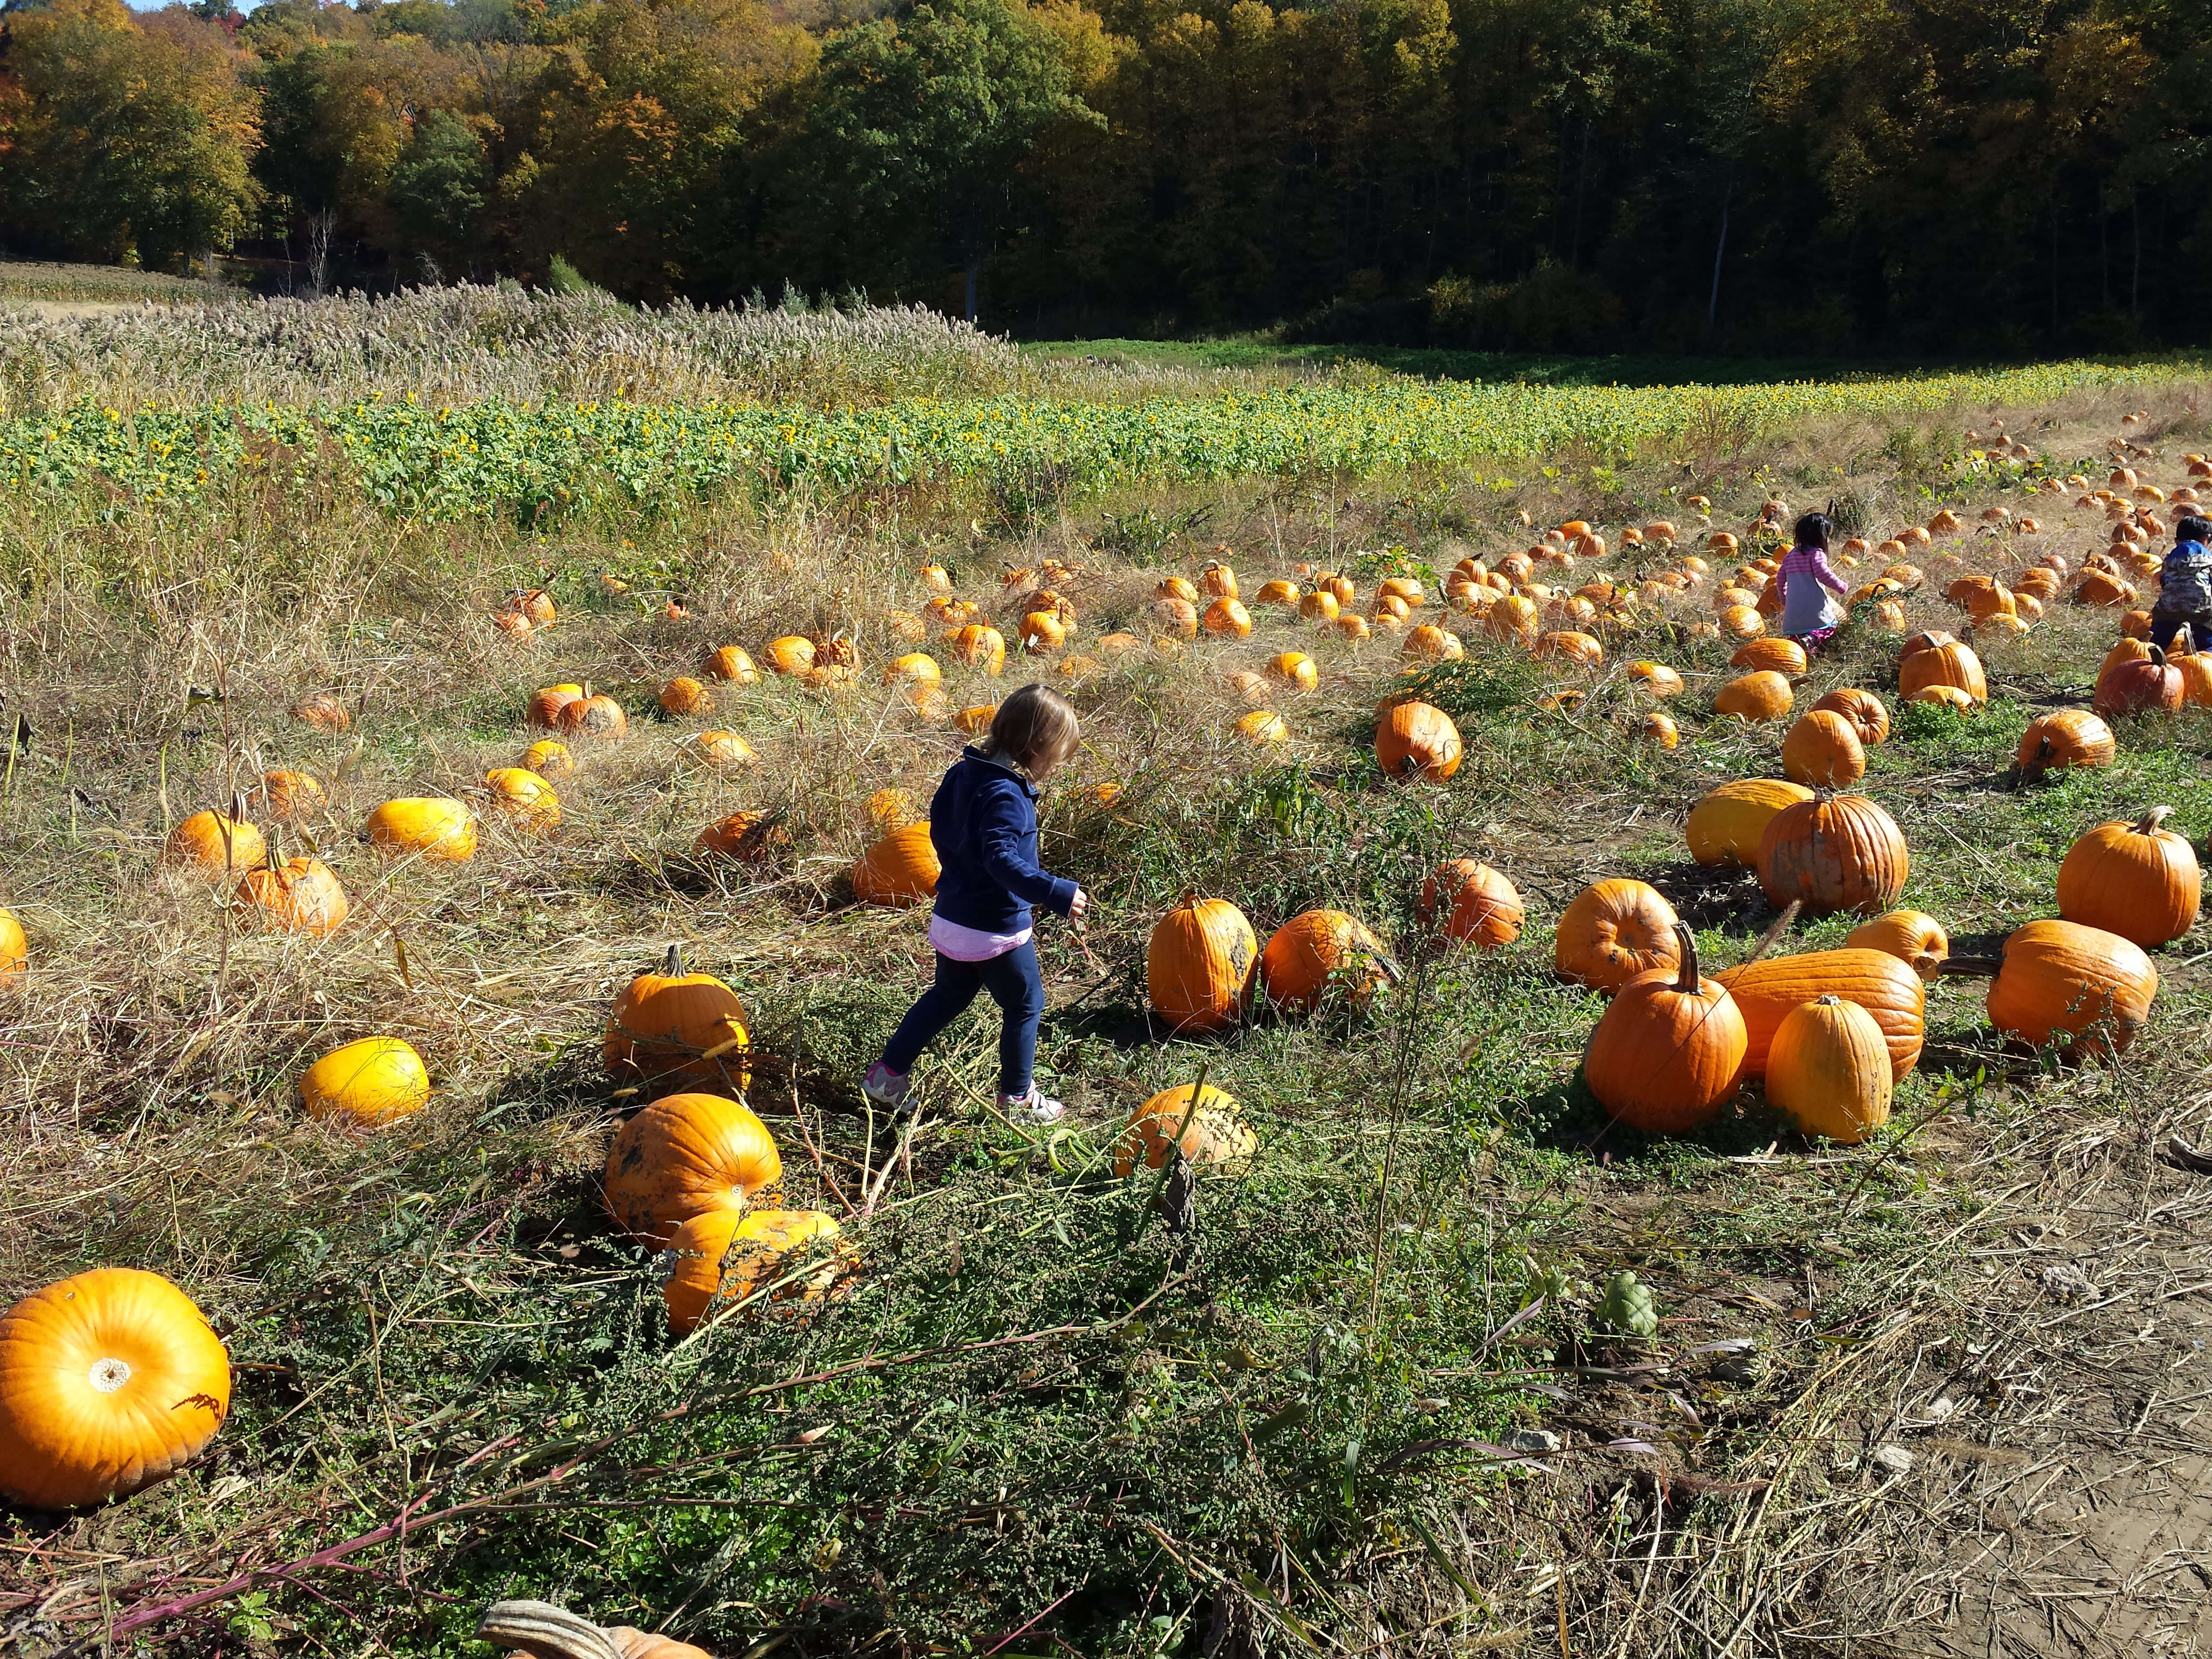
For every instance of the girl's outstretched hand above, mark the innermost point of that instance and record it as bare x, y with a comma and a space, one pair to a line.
1079, 906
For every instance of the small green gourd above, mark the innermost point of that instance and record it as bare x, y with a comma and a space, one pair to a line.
1629, 1308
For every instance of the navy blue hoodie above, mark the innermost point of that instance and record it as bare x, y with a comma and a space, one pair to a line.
983, 824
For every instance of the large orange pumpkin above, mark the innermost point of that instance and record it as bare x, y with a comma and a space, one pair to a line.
901, 869
1668, 1051
685, 1155
1214, 1135
2065, 738
1822, 747
669, 1024
1316, 951
430, 827
2137, 879
1481, 906
726, 1256
1952, 664
1767, 990
1416, 740
1868, 714
1200, 965
1760, 695
2145, 685
748, 837
1783, 656
109, 1381
594, 714
2061, 983
1833, 853
1614, 931
215, 843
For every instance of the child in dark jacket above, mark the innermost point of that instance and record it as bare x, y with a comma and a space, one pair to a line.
2184, 588
983, 824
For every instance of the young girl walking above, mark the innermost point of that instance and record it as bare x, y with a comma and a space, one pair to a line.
983, 824
1811, 590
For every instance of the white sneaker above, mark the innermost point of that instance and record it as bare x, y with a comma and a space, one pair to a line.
888, 1088
1036, 1107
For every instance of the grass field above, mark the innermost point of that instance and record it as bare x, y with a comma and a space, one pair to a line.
1366, 1404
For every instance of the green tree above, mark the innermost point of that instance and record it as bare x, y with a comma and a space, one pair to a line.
131, 141
928, 120
439, 188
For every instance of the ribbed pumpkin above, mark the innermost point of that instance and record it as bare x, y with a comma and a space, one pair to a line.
979, 647
683, 697
550, 759
545, 707
1211, 1137
1765, 991
790, 653
1916, 940
2065, 738
1263, 726
1217, 579
892, 808
15, 951
287, 796
1833, 853
366, 1084
324, 712
1758, 697
1229, 618
732, 663
1318, 607
433, 827
724, 750
1668, 1052
1822, 747
1434, 644
2146, 686
1484, 909
594, 715
214, 843
109, 1381
2137, 879
1614, 931
524, 797
729, 1255
1655, 679
1295, 668
748, 837
294, 895
669, 1024
1727, 824
2060, 983
1200, 965
686, 1155
1952, 664
901, 869
1316, 952
1828, 1068
1785, 657
2195, 668
1868, 714
1416, 739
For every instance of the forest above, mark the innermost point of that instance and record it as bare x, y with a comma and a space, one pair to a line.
1927, 179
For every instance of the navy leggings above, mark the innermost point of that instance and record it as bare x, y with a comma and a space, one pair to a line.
2166, 624
1015, 984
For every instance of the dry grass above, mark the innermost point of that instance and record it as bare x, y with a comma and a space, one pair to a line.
1050, 1429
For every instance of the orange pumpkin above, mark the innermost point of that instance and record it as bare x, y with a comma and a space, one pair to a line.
2059, 982
901, 869
1785, 657
1833, 853
429, 827
1952, 664
1666, 1053
725, 1257
2137, 879
1199, 965
1916, 940
748, 837
524, 797
669, 1024
1416, 740
594, 715
1614, 931
324, 712
790, 653
1316, 951
2065, 738
2145, 685
545, 707
733, 664
683, 697
1212, 1136
295, 896
1766, 991
1868, 714
215, 843
687, 1155
287, 796
1655, 679
1484, 909
1760, 695
1228, 618
109, 1381
1827, 1068
1822, 747
15, 951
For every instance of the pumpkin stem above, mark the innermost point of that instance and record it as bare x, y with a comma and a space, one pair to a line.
2158, 656
672, 965
2148, 823
545, 1631
1688, 979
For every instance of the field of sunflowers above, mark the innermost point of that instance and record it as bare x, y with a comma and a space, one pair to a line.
1591, 1125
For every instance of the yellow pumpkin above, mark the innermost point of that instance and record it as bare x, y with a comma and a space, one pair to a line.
109, 1381
1828, 1068
683, 1156
431, 827
901, 869
524, 797
729, 1255
366, 1084
1725, 826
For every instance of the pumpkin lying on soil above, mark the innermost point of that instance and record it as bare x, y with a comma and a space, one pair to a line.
1765, 991
669, 1024
1212, 1136
1200, 965
2060, 983
1614, 930
1668, 1050
683, 1156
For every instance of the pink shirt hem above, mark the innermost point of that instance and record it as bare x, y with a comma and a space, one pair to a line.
949, 939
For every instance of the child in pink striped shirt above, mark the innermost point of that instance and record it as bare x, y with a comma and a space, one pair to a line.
1812, 593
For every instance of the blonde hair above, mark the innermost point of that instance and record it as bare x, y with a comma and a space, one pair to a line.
1035, 725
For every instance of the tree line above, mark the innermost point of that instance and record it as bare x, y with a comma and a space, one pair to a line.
1933, 176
